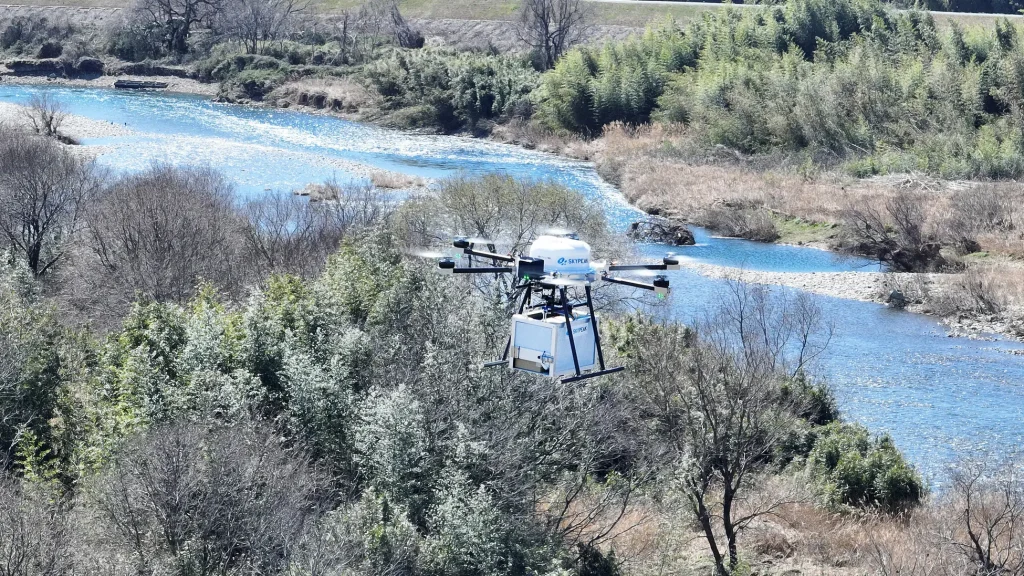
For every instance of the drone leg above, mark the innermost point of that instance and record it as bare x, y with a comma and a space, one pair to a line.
568, 328
522, 306
593, 322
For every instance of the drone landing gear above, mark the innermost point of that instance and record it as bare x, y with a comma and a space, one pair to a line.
556, 303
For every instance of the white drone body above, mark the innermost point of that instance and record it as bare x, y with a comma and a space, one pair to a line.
564, 256
556, 337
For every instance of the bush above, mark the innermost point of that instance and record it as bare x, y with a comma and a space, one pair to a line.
50, 49
847, 83
462, 88
135, 43
852, 469
252, 84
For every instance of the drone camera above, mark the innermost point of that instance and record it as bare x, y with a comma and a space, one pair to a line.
661, 286
530, 267
671, 262
461, 242
447, 265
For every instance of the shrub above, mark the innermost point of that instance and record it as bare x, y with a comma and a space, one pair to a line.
852, 469
135, 42
50, 49
462, 88
253, 84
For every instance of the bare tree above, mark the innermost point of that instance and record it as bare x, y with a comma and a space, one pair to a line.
159, 233
35, 535
178, 18
894, 234
985, 503
716, 395
551, 27
220, 501
44, 189
46, 113
256, 23
290, 234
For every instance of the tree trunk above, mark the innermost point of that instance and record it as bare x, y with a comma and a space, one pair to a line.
728, 497
709, 533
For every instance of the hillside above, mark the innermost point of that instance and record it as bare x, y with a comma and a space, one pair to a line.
629, 14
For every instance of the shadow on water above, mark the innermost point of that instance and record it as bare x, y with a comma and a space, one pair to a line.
893, 371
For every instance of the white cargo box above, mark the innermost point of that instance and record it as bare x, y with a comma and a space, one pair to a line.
541, 345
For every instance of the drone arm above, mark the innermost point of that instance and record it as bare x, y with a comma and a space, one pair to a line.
660, 285
669, 262
491, 255
627, 267
483, 270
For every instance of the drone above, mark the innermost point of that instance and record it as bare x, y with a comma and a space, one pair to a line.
552, 335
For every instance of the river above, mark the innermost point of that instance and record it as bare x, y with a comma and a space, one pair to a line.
895, 372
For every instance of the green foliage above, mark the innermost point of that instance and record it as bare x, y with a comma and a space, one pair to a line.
853, 469
462, 88
590, 88
31, 372
815, 403
136, 43
847, 83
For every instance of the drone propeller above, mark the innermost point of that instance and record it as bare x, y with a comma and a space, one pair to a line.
641, 273
428, 253
555, 231
564, 282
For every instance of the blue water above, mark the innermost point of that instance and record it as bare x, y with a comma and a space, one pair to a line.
893, 371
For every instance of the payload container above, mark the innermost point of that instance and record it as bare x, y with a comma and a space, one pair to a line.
541, 345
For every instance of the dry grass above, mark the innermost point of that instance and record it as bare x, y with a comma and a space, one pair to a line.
395, 181
527, 134
660, 170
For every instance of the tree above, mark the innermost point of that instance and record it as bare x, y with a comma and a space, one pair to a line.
207, 500
178, 18
159, 233
44, 189
46, 114
288, 234
255, 23
985, 504
551, 27
716, 397
35, 533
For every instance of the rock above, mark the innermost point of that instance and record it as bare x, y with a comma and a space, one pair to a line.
30, 66
896, 300
52, 76
149, 68
282, 103
662, 231
89, 65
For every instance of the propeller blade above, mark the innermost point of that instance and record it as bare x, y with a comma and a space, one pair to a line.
639, 273
564, 282
432, 254
555, 231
